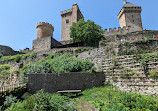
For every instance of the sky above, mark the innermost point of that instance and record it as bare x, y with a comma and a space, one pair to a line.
18, 18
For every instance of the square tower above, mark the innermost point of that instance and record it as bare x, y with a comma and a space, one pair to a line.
130, 16
68, 17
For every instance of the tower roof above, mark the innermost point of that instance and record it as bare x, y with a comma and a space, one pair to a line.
128, 4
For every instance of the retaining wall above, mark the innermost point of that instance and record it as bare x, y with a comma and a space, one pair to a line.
118, 72
66, 81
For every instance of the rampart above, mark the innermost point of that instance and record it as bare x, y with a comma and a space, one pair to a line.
116, 31
66, 11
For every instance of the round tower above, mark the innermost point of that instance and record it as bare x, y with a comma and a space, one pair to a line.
44, 30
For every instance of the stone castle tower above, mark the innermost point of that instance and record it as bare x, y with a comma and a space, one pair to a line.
44, 40
68, 17
44, 30
130, 16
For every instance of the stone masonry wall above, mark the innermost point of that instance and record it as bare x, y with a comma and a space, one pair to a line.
128, 75
121, 35
6, 51
67, 81
42, 44
136, 82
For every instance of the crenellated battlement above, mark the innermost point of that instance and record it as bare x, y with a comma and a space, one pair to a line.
44, 29
45, 24
117, 31
66, 11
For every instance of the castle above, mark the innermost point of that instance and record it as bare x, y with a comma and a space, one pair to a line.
129, 18
130, 24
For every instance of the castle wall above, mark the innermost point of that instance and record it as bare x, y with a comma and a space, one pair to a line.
42, 44
45, 44
118, 31
6, 51
124, 34
146, 34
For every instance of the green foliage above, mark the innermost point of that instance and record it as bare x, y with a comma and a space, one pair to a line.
154, 73
126, 47
41, 67
57, 64
1, 55
42, 101
65, 63
55, 102
87, 32
18, 92
103, 43
14, 72
19, 106
4, 71
17, 58
9, 100
145, 58
110, 99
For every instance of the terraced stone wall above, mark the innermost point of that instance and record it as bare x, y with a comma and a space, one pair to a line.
128, 74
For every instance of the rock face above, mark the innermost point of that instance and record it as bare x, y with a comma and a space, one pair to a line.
6, 51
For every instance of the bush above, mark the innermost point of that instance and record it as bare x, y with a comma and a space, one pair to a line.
103, 43
40, 67
18, 92
4, 71
110, 99
42, 101
17, 59
145, 58
1, 55
9, 100
154, 73
65, 63
54, 102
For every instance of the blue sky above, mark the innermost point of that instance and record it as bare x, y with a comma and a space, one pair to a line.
18, 18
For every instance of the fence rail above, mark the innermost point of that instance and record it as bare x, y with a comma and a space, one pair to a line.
5, 88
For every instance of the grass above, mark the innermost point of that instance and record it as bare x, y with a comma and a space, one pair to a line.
110, 99
106, 98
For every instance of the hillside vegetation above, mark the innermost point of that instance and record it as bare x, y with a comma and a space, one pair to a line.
106, 98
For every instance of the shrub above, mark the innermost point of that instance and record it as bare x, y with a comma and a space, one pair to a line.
19, 106
1, 55
103, 43
9, 100
17, 58
154, 73
4, 71
110, 99
145, 58
65, 63
54, 102
41, 67
42, 101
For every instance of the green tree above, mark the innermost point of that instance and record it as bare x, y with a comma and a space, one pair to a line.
87, 32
